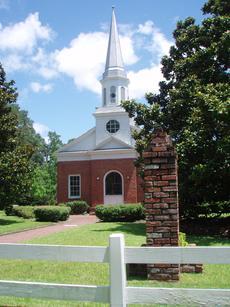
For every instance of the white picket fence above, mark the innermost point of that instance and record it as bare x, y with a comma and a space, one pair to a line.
117, 255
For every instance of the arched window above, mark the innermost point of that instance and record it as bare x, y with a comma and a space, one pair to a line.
113, 184
104, 96
113, 94
122, 93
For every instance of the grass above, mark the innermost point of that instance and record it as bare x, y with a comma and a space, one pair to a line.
214, 276
11, 224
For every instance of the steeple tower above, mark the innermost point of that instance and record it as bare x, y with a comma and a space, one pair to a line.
113, 125
114, 81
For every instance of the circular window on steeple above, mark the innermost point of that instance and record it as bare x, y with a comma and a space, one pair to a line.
112, 126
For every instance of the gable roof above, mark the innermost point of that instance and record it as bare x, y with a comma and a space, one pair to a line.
112, 143
84, 137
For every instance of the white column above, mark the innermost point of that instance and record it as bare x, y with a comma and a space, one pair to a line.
117, 271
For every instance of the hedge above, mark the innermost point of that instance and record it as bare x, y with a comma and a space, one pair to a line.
77, 207
27, 212
51, 213
120, 213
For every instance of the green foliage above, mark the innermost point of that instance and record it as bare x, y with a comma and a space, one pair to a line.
209, 209
120, 213
27, 212
182, 239
43, 187
44, 179
9, 210
51, 213
15, 166
27, 163
193, 106
28, 136
78, 206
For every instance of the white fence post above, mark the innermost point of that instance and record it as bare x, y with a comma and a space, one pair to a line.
117, 271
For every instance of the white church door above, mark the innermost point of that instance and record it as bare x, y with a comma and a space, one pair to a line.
113, 188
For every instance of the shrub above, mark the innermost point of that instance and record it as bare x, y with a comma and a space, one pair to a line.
51, 213
77, 207
27, 212
120, 213
182, 239
9, 210
34, 201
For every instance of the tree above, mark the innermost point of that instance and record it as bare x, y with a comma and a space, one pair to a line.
28, 136
15, 170
192, 105
45, 175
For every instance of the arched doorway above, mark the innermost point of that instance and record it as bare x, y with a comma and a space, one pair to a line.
113, 188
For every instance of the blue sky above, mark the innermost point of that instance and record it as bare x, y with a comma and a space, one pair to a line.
55, 51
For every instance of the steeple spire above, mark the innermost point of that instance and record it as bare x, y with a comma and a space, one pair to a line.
114, 80
114, 56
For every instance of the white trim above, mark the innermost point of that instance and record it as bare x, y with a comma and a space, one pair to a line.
110, 110
122, 183
77, 140
113, 138
74, 197
105, 154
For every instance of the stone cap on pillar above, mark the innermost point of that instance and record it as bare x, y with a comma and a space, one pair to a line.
160, 141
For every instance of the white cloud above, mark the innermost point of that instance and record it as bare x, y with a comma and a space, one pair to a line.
45, 63
143, 81
24, 35
155, 41
128, 52
14, 62
37, 87
42, 130
146, 28
160, 44
84, 59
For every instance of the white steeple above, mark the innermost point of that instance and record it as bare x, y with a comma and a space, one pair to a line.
114, 81
113, 125
114, 57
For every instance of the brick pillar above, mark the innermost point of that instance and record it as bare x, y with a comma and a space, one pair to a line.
161, 201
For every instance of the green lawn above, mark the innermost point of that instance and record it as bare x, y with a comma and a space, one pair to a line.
214, 276
10, 224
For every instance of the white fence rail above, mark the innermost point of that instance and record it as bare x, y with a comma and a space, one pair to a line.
117, 255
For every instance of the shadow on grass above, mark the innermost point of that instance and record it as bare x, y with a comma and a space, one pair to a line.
136, 278
4, 222
207, 240
137, 229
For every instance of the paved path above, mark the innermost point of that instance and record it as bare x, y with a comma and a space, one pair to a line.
73, 221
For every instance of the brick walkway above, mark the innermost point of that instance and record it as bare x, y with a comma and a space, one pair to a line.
73, 221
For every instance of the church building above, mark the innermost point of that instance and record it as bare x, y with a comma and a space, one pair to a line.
98, 166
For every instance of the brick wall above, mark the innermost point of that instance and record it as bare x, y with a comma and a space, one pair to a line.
161, 201
64, 169
92, 175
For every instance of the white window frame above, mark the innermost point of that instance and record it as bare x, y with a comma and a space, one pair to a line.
113, 90
78, 196
115, 123
123, 94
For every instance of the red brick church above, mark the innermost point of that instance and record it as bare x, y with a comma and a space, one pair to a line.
98, 165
